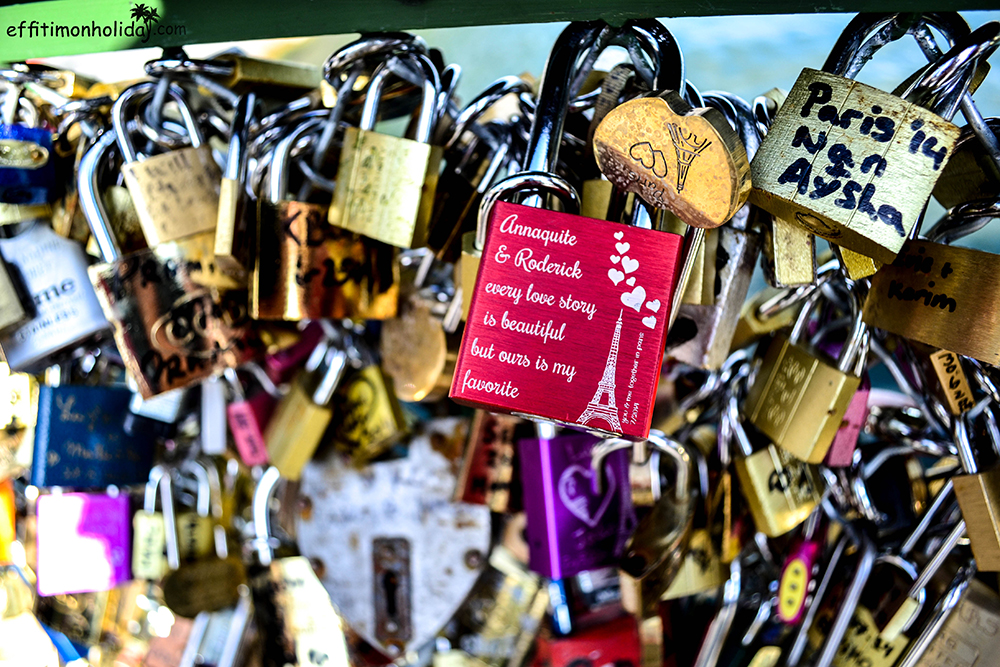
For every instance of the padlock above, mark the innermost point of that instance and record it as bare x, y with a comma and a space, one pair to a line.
176, 194
83, 542
154, 542
952, 386
798, 583
66, 312
209, 577
977, 493
196, 330
232, 240
862, 644
386, 184
701, 570
765, 312
27, 174
488, 464
780, 489
194, 526
367, 417
16, 307
212, 423
572, 527
81, 442
292, 609
971, 174
799, 399
841, 452
398, 587
923, 294
247, 419
880, 154
615, 643
303, 415
498, 623
239, 73
589, 598
308, 268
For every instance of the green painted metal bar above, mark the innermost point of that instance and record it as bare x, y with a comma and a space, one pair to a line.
64, 27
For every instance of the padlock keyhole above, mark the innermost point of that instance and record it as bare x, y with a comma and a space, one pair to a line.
390, 584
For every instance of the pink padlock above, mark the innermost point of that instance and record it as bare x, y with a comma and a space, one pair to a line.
83, 542
248, 417
841, 453
282, 365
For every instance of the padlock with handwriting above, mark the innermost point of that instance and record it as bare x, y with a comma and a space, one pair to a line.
851, 163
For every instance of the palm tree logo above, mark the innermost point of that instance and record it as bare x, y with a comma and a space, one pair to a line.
148, 15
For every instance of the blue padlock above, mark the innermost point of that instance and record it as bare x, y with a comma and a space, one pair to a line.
80, 439
27, 172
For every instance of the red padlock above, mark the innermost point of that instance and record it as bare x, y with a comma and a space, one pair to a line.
569, 315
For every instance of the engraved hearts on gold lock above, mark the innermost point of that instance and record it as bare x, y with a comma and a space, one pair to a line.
676, 157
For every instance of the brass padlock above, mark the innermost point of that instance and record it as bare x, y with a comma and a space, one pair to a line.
305, 267
385, 187
170, 328
798, 399
978, 494
176, 194
853, 164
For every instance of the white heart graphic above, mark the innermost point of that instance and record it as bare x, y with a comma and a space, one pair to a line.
619, 235
615, 259
653, 305
629, 264
622, 248
631, 281
575, 499
616, 276
634, 298
649, 321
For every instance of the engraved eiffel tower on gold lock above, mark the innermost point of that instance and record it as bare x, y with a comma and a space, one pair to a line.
606, 411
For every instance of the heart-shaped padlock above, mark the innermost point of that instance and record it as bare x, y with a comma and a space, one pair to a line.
397, 556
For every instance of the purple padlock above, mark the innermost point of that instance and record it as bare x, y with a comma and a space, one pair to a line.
83, 542
571, 528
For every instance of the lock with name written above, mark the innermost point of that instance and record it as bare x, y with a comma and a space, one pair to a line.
386, 184
176, 194
798, 398
853, 164
171, 328
80, 439
305, 267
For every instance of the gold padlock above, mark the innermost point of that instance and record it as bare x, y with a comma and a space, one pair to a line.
798, 399
176, 194
851, 163
385, 184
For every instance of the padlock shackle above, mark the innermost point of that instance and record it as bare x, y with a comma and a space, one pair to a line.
962, 220
156, 476
856, 345
684, 462
473, 111
868, 32
424, 71
238, 155
281, 159
90, 200
131, 97
261, 504
945, 82
371, 45
954, 594
525, 181
203, 499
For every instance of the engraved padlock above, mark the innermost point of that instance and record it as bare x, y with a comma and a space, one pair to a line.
176, 194
305, 267
539, 306
154, 541
856, 165
572, 525
386, 184
171, 329
798, 398
977, 492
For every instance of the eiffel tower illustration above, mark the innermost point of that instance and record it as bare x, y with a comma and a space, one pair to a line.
606, 411
687, 147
